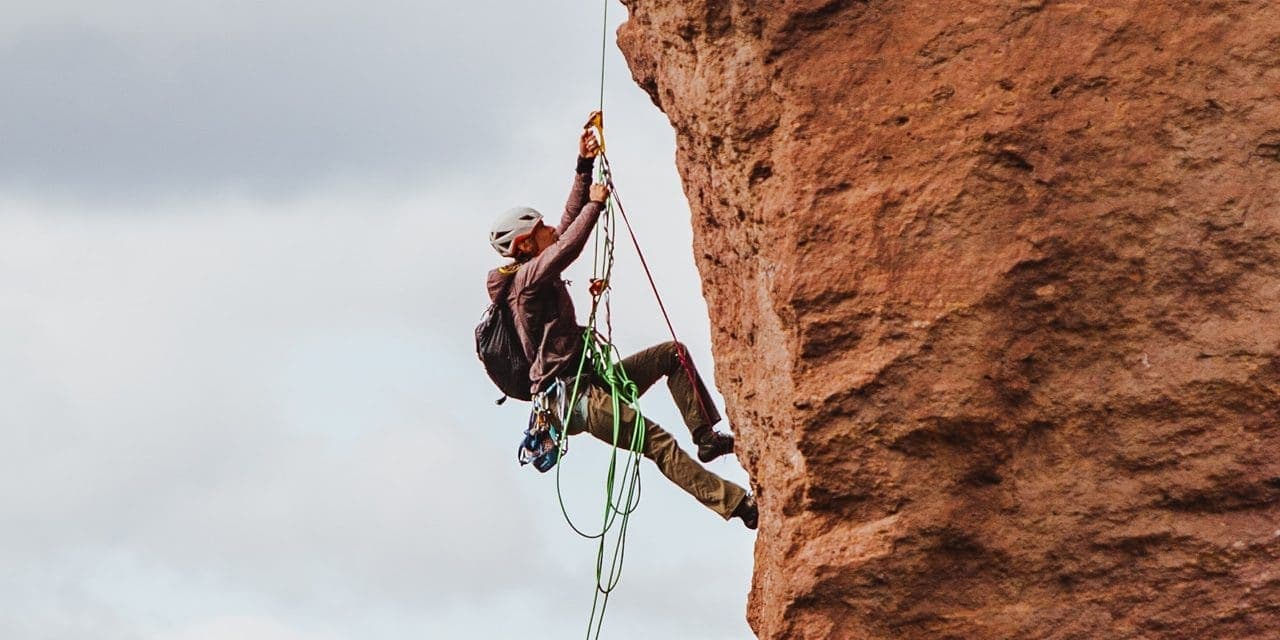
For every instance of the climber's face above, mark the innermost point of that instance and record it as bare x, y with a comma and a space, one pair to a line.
536, 241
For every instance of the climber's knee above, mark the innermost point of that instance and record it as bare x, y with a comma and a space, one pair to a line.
678, 351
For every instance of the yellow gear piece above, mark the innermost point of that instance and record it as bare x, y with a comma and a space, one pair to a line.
596, 123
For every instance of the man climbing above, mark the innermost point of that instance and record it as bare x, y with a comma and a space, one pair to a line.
546, 323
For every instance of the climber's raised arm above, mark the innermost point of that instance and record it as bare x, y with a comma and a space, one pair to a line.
588, 149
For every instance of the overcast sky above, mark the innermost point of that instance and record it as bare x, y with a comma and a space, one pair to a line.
242, 253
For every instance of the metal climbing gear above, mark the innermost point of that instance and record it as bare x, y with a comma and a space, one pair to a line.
544, 439
596, 125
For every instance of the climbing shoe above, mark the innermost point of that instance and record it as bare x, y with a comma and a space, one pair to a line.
712, 444
748, 511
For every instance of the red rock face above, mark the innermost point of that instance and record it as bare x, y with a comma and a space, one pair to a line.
995, 289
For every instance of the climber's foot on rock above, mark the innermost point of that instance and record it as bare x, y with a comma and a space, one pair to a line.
748, 511
712, 444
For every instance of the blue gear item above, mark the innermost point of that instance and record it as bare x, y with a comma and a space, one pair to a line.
539, 448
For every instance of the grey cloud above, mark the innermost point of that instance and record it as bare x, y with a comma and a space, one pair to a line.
284, 97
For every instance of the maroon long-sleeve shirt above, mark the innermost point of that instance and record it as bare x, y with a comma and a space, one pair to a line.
545, 319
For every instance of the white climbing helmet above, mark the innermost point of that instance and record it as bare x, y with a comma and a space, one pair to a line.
511, 225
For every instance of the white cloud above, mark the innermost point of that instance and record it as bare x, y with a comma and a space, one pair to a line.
241, 628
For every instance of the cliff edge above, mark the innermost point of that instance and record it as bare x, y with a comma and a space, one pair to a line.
995, 297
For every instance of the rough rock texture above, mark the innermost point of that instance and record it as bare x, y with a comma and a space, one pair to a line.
995, 289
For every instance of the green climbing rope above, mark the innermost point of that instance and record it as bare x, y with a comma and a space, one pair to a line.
601, 358
622, 480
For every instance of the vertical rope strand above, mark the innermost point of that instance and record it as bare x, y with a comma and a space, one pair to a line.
604, 50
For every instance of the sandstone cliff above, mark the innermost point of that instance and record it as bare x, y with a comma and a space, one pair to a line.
995, 295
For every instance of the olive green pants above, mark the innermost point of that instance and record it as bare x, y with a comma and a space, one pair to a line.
696, 407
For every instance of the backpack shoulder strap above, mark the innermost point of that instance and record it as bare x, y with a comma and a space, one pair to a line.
510, 272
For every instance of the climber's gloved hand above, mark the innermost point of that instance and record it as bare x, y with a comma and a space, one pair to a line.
599, 192
588, 146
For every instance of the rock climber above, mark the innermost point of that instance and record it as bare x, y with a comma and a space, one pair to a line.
547, 326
